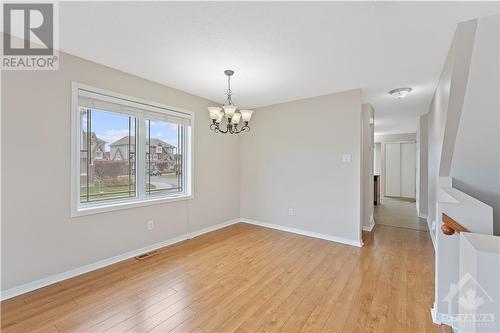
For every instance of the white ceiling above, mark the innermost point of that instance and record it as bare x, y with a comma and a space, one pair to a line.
280, 51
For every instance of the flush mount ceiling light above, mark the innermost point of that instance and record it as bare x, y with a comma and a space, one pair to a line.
400, 92
230, 112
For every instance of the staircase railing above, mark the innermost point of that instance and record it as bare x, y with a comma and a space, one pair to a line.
450, 226
460, 215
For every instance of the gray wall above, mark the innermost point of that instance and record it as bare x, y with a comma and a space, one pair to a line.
294, 160
422, 161
377, 158
39, 238
476, 160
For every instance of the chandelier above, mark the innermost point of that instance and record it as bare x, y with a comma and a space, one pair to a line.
230, 112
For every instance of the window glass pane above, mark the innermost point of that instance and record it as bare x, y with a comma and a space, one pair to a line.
163, 157
83, 153
107, 156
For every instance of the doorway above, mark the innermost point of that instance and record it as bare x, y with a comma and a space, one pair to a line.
400, 170
397, 206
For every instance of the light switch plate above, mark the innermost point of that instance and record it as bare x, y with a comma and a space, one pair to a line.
346, 158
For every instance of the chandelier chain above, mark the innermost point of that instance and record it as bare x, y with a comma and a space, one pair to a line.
229, 93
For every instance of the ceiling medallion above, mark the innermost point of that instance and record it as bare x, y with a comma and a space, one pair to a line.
230, 112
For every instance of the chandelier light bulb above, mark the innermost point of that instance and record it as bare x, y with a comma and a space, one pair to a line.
246, 115
236, 118
229, 110
219, 117
214, 112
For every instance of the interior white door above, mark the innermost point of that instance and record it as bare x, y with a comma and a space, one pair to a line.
393, 169
408, 169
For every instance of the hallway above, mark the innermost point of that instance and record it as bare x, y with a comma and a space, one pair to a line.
399, 213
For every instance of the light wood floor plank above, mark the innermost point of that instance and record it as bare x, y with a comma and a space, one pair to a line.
276, 270
246, 278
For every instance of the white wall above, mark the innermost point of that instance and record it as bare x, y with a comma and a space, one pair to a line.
422, 160
294, 160
476, 160
445, 112
367, 157
39, 238
387, 138
463, 125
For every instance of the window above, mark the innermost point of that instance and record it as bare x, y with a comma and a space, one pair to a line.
109, 130
104, 179
164, 171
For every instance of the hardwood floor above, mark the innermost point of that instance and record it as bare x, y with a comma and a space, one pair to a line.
246, 278
398, 212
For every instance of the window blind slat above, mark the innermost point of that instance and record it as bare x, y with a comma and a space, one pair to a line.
167, 118
107, 103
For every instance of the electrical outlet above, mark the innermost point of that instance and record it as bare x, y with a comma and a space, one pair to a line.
151, 225
290, 212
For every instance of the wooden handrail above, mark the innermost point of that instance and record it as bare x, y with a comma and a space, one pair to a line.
450, 226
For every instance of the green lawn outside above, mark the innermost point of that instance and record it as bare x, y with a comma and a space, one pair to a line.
171, 175
108, 192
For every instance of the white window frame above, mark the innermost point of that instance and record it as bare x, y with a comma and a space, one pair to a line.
142, 198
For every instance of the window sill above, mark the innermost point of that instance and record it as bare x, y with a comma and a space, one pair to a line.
120, 205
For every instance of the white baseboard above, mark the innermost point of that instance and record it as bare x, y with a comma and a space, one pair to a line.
304, 232
30, 286
432, 233
441, 319
213, 228
436, 319
369, 227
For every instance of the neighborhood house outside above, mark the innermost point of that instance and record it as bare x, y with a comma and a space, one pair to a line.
111, 174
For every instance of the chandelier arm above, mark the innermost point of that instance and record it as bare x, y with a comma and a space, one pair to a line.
226, 131
230, 128
245, 128
216, 128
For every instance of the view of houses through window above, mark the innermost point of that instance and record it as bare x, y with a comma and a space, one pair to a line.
163, 162
108, 156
